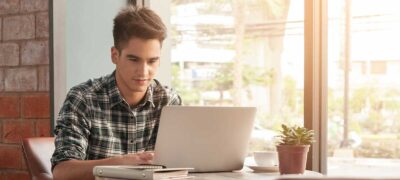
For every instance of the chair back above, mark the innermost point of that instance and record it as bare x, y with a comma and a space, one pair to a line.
37, 153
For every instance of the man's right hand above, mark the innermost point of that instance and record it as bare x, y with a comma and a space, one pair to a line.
135, 158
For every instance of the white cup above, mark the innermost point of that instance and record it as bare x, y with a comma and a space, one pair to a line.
266, 158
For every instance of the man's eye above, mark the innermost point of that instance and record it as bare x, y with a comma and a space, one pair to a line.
133, 59
153, 61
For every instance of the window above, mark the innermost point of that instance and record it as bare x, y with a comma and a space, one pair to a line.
363, 67
241, 53
378, 67
364, 98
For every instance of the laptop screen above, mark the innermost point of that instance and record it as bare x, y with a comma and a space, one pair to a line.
208, 139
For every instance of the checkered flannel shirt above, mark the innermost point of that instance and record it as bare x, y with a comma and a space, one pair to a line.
95, 121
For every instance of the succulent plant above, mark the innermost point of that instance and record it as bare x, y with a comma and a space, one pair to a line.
295, 135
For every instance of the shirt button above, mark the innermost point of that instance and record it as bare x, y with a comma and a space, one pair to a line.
131, 141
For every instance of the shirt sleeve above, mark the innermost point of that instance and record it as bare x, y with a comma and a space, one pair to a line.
72, 129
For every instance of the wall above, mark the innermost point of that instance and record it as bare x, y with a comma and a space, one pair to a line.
24, 80
89, 38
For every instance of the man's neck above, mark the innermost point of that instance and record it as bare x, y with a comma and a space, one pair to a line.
132, 98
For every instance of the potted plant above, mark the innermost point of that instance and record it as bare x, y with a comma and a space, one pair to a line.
293, 145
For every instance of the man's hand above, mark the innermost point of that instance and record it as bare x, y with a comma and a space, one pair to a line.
83, 169
136, 158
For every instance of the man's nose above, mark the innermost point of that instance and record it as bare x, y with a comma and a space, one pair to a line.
142, 68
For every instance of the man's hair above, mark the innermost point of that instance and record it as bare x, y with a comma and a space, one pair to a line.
137, 22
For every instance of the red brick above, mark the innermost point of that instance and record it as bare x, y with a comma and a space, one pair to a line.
43, 78
11, 157
1, 80
21, 79
9, 106
9, 54
43, 128
0, 28
16, 130
34, 5
35, 52
9, 6
42, 24
19, 27
36, 106
16, 175
24, 165
1, 132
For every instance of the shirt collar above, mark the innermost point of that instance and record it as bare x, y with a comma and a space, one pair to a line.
116, 97
149, 96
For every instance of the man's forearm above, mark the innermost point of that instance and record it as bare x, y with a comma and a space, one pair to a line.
79, 169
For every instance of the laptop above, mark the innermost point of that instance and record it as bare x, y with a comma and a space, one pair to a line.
208, 139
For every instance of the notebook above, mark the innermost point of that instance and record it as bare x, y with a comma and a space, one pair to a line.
140, 172
208, 139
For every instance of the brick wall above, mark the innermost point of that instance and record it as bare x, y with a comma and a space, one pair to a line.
24, 80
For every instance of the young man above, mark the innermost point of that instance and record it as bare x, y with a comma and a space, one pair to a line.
113, 120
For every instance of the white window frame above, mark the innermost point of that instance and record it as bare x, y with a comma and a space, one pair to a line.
58, 65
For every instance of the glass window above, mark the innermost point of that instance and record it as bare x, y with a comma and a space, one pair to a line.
364, 93
241, 53
378, 67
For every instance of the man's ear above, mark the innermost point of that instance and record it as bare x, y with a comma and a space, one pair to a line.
114, 55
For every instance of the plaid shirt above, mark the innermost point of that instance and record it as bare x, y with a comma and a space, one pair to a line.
95, 121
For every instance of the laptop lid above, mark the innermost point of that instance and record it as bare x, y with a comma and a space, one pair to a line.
208, 139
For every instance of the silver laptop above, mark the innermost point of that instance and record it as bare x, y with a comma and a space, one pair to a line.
208, 139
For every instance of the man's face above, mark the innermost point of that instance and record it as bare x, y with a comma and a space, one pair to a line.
136, 64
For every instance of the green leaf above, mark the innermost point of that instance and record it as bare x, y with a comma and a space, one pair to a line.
295, 135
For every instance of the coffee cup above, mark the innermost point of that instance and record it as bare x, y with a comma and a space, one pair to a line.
266, 158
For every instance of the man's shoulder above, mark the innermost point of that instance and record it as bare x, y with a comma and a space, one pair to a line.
92, 86
159, 89
164, 95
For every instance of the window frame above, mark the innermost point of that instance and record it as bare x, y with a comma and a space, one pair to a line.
315, 80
